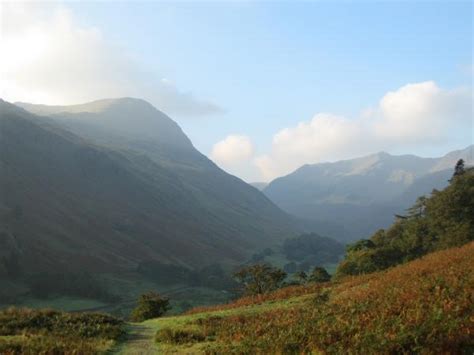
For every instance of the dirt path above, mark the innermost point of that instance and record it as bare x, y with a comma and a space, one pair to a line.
139, 341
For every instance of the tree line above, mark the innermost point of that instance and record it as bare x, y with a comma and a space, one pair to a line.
442, 220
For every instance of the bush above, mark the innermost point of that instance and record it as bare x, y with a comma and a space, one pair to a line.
150, 305
319, 274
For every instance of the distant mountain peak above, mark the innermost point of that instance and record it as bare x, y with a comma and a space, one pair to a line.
448, 160
361, 195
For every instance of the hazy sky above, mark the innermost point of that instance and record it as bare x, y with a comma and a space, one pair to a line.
260, 87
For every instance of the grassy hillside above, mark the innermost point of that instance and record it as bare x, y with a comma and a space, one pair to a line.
421, 306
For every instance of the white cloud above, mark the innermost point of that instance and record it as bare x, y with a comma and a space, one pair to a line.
411, 118
422, 111
234, 154
233, 149
311, 141
414, 116
47, 57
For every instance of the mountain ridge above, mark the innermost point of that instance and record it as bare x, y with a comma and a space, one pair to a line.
366, 190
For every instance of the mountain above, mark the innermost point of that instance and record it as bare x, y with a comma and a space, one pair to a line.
259, 185
124, 119
107, 185
362, 195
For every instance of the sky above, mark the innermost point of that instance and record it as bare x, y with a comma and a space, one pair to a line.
261, 87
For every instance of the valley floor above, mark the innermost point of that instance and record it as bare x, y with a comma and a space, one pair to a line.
422, 306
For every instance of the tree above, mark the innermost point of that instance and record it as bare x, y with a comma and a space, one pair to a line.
362, 244
319, 274
459, 169
150, 305
418, 209
260, 278
301, 277
441, 220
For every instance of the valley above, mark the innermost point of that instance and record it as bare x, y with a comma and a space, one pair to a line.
236, 177
412, 281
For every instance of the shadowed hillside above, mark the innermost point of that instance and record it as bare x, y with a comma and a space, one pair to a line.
70, 203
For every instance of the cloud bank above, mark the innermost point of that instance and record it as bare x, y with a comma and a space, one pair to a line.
47, 57
414, 116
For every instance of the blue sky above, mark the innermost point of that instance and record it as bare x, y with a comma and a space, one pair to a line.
270, 65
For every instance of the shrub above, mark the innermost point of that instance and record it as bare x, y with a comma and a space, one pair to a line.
319, 274
150, 305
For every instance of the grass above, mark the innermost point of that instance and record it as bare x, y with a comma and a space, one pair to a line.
142, 336
171, 332
424, 306
28, 331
